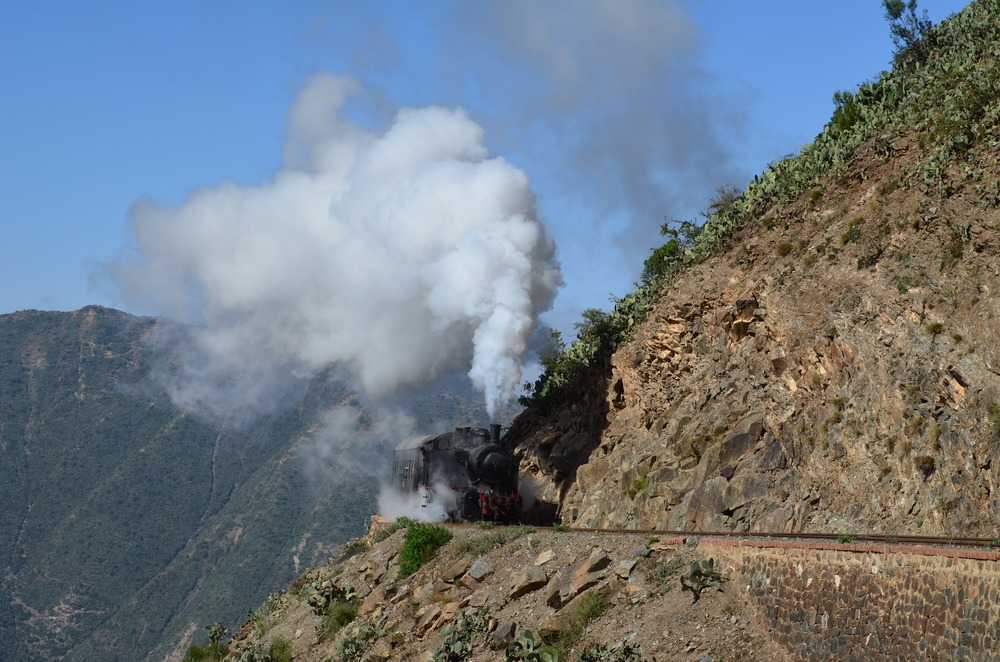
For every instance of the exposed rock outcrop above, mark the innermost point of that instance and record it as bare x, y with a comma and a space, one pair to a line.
848, 381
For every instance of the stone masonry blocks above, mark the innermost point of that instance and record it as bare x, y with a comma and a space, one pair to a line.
869, 602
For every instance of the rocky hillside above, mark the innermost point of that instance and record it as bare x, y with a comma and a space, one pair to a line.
614, 597
825, 357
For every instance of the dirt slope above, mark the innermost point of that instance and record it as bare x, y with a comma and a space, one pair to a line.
501, 586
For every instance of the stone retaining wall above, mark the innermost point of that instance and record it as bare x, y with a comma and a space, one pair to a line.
868, 602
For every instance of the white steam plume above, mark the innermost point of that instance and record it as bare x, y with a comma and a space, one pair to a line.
401, 254
609, 101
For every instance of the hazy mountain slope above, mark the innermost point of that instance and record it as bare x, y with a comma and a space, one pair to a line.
826, 358
128, 524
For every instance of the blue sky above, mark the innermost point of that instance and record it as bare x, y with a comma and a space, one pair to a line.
619, 113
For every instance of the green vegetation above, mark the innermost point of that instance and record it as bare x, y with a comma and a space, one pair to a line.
338, 615
262, 618
701, 576
462, 637
487, 542
420, 544
640, 484
853, 230
784, 248
526, 649
210, 653
335, 605
353, 649
912, 34
661, 576
620, 652
281, 650
573, 623
572, 626
934, 435
214, 651
278, 650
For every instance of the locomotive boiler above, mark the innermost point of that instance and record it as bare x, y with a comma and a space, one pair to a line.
467, 472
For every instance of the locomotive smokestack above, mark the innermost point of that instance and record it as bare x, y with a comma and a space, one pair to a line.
494, 433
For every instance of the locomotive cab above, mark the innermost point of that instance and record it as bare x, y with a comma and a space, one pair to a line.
470, 464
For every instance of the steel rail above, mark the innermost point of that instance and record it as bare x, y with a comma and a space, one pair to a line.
843, 538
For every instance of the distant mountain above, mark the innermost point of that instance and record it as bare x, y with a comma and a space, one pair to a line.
127, 524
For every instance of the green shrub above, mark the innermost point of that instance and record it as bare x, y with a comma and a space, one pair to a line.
933, 328
660, 576
338, 615
701, 576
209, 653
460, 638
845, 112
659, 263
887, 186
853, 230
526, 649
214, 650
912, 35
487, 542
620, 652
321, 595
281, 650
784, 248
352, 649
420, 544
640, 484
814, 195
581, 612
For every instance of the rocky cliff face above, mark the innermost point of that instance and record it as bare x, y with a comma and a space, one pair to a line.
836, 368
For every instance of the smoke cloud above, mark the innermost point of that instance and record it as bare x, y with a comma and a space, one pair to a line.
608, 103
401, 254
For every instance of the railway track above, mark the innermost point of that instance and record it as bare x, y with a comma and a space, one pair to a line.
860, 538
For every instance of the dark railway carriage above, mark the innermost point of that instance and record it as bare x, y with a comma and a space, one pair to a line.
469, 464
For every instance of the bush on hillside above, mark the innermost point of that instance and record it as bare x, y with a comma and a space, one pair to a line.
420, 544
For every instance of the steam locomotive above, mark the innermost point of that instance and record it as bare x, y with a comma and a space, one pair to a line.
466, 471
